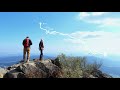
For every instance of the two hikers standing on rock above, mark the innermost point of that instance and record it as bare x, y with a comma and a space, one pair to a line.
27, 43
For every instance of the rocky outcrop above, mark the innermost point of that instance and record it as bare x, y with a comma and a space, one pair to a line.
43, 69
34, 69
96, 74
100, 74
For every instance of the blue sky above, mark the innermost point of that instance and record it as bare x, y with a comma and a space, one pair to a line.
73, 33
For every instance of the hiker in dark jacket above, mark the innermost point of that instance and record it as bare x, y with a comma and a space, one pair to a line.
26, 43
41, 47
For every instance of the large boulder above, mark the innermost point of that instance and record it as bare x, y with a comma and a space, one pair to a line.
51, 69
34, 69
15, 66
14, 74
31, 71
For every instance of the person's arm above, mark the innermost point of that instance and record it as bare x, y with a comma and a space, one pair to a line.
39, 45
30, 42
23, 42
42, 44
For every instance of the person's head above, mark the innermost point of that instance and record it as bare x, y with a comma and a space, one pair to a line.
41, 40
27, 37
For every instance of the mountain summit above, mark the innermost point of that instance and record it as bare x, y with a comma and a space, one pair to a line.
48, 69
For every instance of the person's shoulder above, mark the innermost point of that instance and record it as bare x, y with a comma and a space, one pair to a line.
30, 40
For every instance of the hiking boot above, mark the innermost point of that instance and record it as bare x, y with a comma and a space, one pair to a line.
27, 60
40, 59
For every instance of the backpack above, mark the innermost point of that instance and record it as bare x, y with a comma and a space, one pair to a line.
26, 44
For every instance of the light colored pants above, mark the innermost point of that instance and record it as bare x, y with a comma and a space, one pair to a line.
26, 50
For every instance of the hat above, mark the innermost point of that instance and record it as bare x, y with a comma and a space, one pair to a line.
27, 37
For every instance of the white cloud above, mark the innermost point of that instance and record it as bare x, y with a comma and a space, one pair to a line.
98, 13
105, 22
97, 42
83, 15
98, 19
110, 22
105, 42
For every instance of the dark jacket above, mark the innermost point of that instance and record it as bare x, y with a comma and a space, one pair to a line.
41, 45
30, 42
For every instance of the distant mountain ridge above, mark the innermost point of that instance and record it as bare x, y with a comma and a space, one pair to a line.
109, 66
114, 71
105, 60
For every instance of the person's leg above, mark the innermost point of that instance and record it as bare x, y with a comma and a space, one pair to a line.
41, 54
28, 54
24, 54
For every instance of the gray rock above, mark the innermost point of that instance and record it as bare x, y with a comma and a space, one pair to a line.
51, 69
99, 74
43, 69
2, 72
14, 74
57, 62
31, 71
